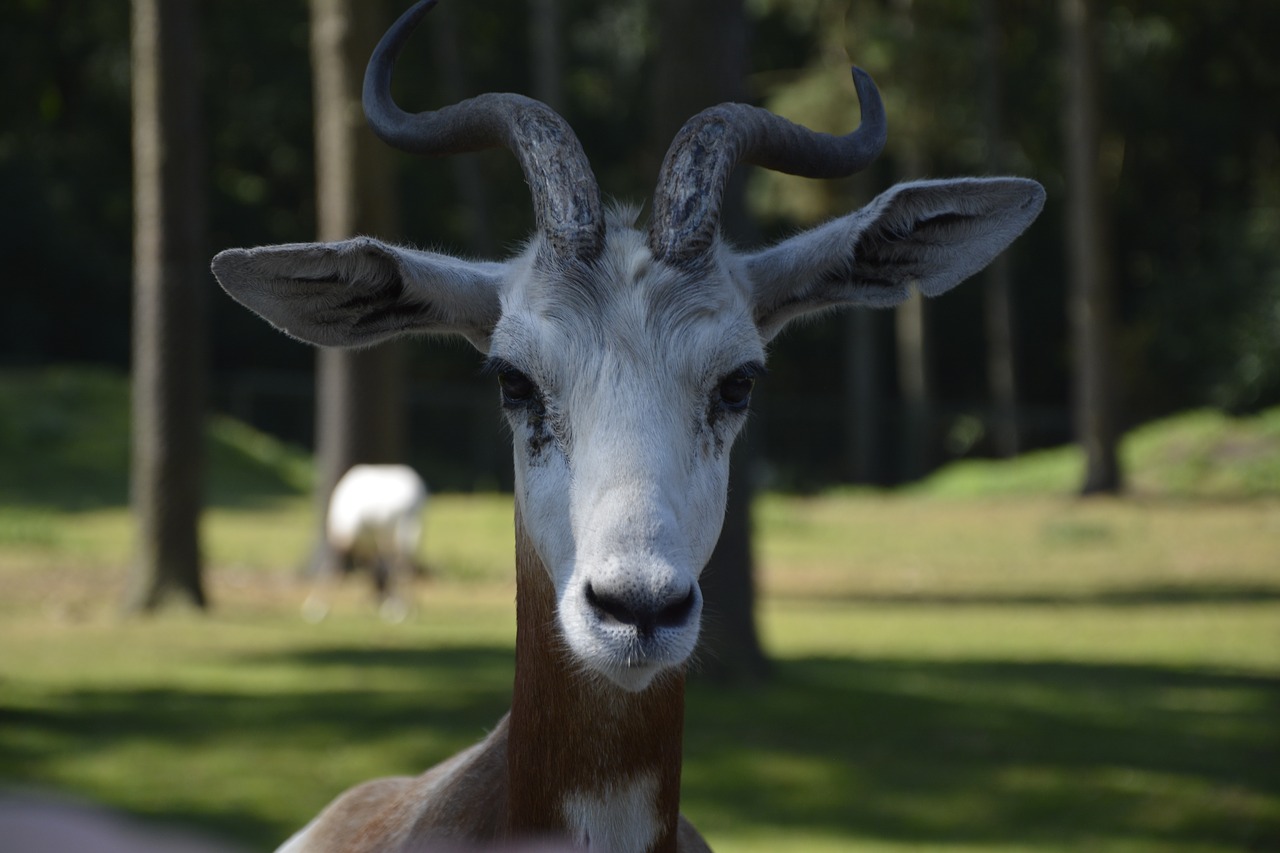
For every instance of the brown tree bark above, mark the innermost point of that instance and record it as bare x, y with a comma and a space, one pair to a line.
701, 60
468, 174
1089, 289
862, 392
360, 401
546, 47
1002, 376
171, 275
915, 376
861, 399
915, 384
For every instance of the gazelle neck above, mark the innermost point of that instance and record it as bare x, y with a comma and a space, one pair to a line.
585, 758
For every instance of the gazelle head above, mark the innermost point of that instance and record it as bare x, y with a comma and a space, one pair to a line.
626, 357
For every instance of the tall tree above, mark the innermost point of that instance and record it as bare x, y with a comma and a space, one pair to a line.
915, 379
701, 60
360, 408
861, 399
546, 48
468, 175
1002, 379
1089, 291
170, 277
862, 394
915, 384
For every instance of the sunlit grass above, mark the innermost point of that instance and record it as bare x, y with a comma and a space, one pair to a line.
992, 675
1197, 454
981, 663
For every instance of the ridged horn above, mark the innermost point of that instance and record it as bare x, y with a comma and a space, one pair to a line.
566, 198
696, 170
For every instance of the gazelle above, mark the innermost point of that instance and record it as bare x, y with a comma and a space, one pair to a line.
374, 521
625, 360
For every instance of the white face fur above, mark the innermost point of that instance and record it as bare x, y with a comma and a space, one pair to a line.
624, 395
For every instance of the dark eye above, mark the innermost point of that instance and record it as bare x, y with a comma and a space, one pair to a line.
516, 387
735, 389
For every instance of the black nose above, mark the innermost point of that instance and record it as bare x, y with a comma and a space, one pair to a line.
645, 614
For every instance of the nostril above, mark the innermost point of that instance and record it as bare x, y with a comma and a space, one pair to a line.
645, 619
611, 607
677, 613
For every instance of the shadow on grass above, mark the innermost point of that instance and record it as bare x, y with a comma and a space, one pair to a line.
943, 752
923, 752
1196, 594
415, 706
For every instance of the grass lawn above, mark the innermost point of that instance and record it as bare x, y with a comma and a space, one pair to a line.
976, 664
981, 674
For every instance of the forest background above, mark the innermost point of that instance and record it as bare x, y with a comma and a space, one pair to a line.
1020, 669
1188, 168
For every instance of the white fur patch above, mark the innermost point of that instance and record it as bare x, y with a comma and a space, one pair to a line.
620, 819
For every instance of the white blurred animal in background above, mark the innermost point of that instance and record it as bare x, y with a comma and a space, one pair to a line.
374, 522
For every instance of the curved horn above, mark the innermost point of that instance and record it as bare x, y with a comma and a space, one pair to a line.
566, 198
686, 203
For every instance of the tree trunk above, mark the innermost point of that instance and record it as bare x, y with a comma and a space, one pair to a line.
916, 386
862, 394
862, 401
1088, 286
170, 278
360, 408
1002, 378
915, 379
468, 174
546, 48
701, 60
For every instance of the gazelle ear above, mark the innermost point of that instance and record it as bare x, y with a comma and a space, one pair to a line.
933, 233
359, 292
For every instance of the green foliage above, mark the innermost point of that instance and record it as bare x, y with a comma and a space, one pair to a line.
1189, 156
64, 437
64, 177
1200, 454
1041, 472
1207, 454
64, 442
246, 462
1197, 187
